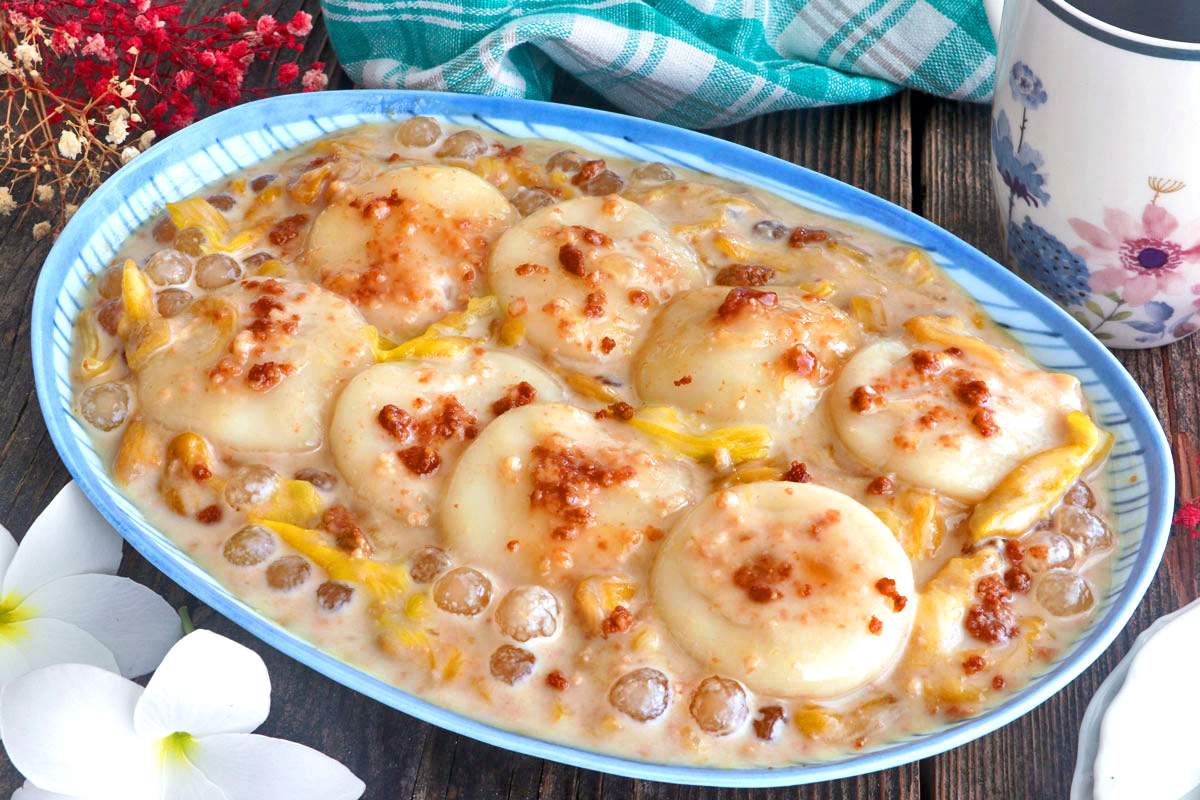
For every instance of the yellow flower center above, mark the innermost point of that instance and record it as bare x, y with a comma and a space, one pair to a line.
13, 612
175, 745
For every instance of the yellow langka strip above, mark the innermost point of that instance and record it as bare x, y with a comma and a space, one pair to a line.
144, 330
663, 424
397, 635
869, 312
748, 475
436, 341
198, 213
734, 249
591, 387
382, 580
90, 364
1028, 493
951, 332
917, 265
137, 298
821, 288
296, 503
848, 251
242, 239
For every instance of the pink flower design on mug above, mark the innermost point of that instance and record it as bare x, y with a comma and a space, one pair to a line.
1142, 257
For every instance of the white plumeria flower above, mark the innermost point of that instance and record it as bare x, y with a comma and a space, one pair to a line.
60, 600
76, 731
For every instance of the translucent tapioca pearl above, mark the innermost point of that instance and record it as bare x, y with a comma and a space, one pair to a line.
427, 563
463, 591
719, 705
251, 486
642, 694
286, 573
249, 547
511, 664
1064, 593
216, 270
105, 405
418, 132
464, 144
528, 612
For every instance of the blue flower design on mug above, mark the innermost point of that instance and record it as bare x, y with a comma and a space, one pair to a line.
1018, 167
1048, 263
1026, 87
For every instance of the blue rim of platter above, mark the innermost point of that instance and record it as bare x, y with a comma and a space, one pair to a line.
1139, 474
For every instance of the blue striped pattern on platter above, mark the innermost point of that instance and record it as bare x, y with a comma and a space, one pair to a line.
1140, 478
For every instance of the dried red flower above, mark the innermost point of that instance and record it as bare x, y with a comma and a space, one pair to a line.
106, 73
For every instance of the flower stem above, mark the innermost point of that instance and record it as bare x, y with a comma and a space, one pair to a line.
1012, 196
1101, 323
185, 619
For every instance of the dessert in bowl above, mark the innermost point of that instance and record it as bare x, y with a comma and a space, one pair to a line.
648, 462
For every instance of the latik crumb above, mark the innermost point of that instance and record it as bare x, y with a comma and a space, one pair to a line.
743, 298
621, 410
864, 399
639, 297
802, 361
985, 423
804, 236
974, 663
797, 473
210, 515
593, 306
887, 588
571, 258
880, 485
519, 395
745, 275
396, 421
759, 576
589, 170
340, 521
925, 363
770, 719
619, 621
972, 393
265, 376
420, 460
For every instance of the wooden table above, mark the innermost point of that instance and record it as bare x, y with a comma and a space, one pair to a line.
928, 155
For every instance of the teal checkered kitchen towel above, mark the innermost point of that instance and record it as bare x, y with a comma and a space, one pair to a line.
697, 64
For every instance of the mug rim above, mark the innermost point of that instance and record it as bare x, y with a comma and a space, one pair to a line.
1141, 43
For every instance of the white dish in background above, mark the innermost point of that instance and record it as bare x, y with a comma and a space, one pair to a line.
1118, 738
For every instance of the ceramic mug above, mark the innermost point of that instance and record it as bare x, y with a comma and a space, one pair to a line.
1096, 159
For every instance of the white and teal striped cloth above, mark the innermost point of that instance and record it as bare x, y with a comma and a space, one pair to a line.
698, 64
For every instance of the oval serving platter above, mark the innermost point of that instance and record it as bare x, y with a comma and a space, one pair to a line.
1139, 475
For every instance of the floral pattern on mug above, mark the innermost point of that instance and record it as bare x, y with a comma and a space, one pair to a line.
1026, 87
1048, 263
1019, 166
1141, 256
1126, 262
